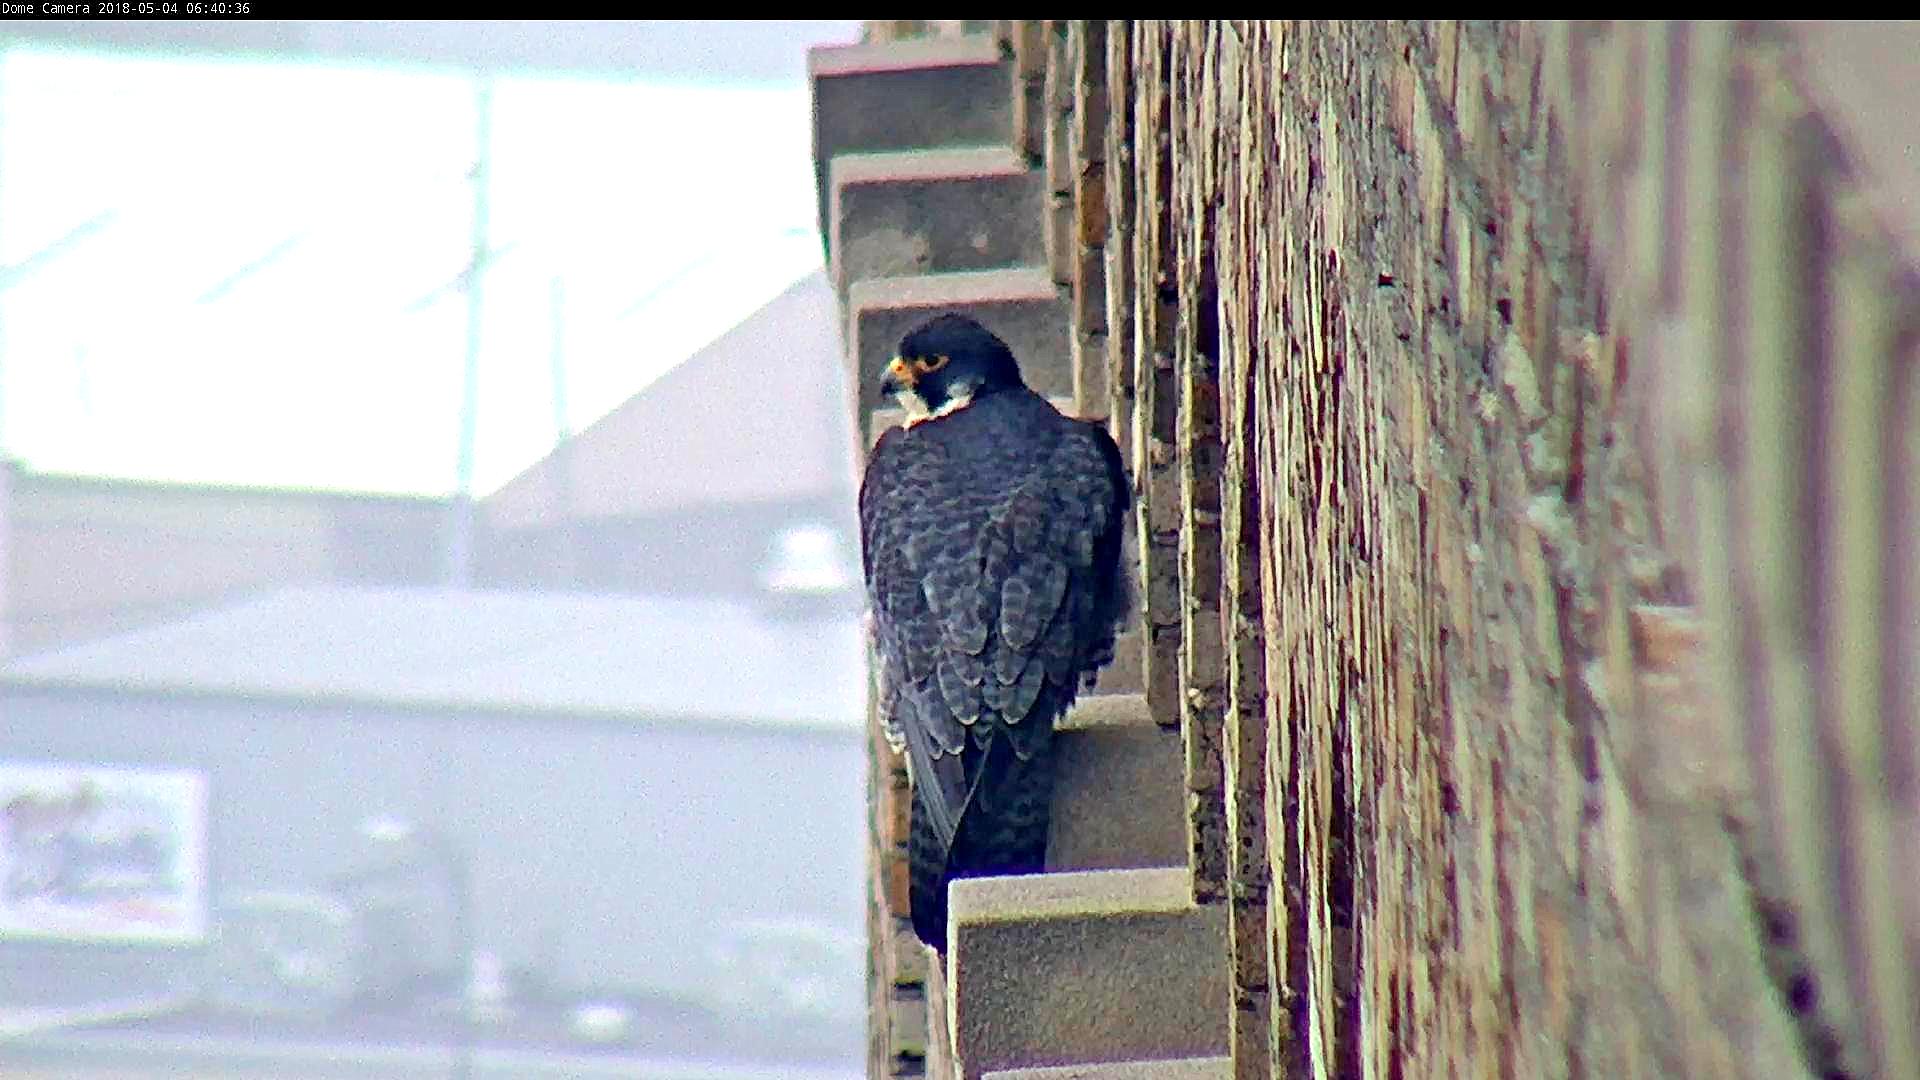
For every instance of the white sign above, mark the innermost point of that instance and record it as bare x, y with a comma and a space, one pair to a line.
99, 853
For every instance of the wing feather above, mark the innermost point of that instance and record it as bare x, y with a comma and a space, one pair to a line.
992, 575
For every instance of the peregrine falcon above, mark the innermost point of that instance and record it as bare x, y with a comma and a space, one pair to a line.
990, 527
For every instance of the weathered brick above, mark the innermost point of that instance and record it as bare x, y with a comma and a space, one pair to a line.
1092, 396
1473, 263
907, 1028
908, 965
893, 881
896, 804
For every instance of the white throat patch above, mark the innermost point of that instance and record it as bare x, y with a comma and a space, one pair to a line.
959, 396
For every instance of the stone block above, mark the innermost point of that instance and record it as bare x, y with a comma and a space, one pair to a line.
1083, 968
906, 95
1118, 796
932, 211
1210, 1068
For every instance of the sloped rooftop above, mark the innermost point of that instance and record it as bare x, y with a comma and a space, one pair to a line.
648, 659
759, 414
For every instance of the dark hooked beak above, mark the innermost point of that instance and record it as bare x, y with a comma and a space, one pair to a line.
895, 379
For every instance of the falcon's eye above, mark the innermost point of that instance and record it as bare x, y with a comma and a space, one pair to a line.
931, 364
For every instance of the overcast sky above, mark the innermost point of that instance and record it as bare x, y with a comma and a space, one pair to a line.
242, 271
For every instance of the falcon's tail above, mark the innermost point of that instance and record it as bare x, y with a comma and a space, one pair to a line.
927, 878
1003, 830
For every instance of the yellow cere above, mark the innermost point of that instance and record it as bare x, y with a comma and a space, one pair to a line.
902, 371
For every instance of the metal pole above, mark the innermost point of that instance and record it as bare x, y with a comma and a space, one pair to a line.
562, 437
459, 570
557, 313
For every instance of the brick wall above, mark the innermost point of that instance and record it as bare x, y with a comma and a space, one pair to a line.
1523, 422
1521, 419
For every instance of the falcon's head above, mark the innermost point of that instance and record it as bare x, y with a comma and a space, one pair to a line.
944, 365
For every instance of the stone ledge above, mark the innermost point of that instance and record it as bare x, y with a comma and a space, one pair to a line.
1089, 967
905, 95
940, 163
1021, 284
1028, 898
1210, 1068
903, 213
1119, 793
1100, 712
903, 54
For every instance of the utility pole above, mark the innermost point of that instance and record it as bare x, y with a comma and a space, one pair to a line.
569, 561
459, 553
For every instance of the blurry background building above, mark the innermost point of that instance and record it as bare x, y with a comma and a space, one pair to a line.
450, 434
625, 776
688, 488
